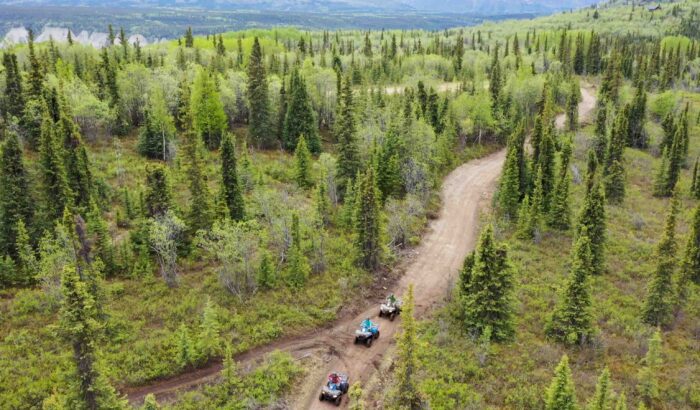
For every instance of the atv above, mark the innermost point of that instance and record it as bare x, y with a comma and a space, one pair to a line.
334, 389
390, 310
367, 335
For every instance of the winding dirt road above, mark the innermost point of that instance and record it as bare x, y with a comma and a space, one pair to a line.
465, 193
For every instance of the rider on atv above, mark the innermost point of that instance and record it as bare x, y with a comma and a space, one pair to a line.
366, 324
391, 300
334, 381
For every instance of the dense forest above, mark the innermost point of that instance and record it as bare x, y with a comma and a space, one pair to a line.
171, 211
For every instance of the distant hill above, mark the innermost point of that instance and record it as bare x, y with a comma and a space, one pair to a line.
483, 7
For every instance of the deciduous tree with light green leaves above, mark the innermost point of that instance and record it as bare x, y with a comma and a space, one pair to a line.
208, 116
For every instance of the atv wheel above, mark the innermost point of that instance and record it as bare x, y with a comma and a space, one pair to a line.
377, 335
338, 400
392, 316
381, 314
356, 341
320, 397
368, 342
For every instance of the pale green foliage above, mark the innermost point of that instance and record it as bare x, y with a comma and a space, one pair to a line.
561, 394
648, 375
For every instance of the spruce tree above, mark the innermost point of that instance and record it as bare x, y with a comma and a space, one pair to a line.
102, 246
345, 134
207, 110
55, 190
560, 212
672, 160
15, 198
495, 81
27, 263
302, 164
200, 216
389, 163
80, 325
36, 72
602, 399
230, 183
621, 403
592, 217
613, 170
600, 141
76, 160
259, 121
367, 221
690, 265
298, 268
637, 135
14, 97
300, 119
406, 395
561, 394
158, 129
659, 301
525, 229
488, 302
695, 182
572, 320
648, 375
509, 191
158, 199
572, 100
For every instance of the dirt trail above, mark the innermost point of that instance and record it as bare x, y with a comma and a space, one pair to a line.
465, 193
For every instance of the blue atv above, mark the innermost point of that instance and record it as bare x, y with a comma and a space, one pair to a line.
334, 389
367, 333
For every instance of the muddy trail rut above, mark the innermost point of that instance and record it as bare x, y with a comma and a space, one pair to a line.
466, 193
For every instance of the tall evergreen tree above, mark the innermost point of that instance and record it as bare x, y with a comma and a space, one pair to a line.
690, 265
345, 134
613, 170
592, 218
572, 320
406, 395
13, 102
231, 189
572, 100
487, 296
15, 199
561, 394
36, 72
390, 159
200, 214
302, 164
367, 221
300, 119
600, 141
659, 302
298, 266
509, 191
637, 137
55, 190
495, 81
76, 159
80, 325
560, 211
259, 122
158, 199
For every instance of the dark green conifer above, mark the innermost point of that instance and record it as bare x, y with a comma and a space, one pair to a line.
300, 119
560, 210
259, 122
230, 183
158, 199
407, 395
572, 320
509, 193
613, 170
13, 102
345, 134
55, 189
201, 212
488, 301
302, 164
15, 198
367, 221
592, 218
659, 301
